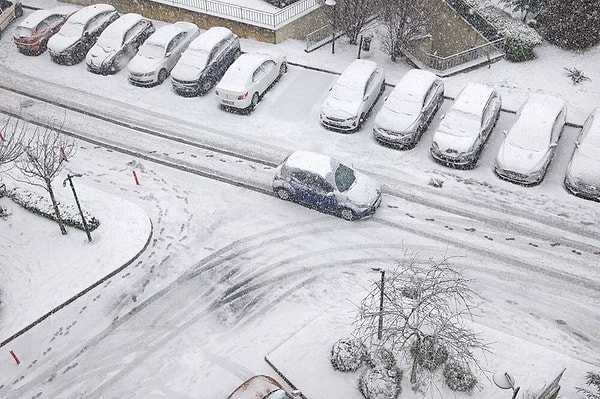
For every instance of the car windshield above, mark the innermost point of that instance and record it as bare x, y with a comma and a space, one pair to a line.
347, 94
22, 31
152, 50
72, 29
195, 57
460, 124
344, 178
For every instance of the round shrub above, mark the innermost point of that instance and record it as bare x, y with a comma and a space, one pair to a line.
573, 25
347, 354
380, 383
459, 378
381, 357
429, 353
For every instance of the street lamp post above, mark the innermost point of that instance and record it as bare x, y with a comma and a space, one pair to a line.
332, 4
85, 226
381, 291
504, 380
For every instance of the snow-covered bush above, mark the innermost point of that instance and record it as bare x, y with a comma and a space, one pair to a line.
520, 38
380, 383
43, 206
459, 378
429, 353
593, 380
348, 354
573, 25
381, 357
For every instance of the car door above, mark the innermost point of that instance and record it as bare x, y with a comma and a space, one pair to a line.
369, 91
300, 182
174, 49
270, 73
489, 116
324, 197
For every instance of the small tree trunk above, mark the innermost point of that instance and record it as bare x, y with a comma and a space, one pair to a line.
413, 372
63, 230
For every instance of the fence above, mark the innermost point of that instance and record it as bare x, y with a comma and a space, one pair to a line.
314, 39
479, 22
438, 63
245, 14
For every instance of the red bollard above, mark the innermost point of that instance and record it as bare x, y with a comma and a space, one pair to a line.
12, 353
137, 182
1, 137
64, 156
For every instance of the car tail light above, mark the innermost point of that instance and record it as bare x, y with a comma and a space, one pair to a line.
241, 97
217, 92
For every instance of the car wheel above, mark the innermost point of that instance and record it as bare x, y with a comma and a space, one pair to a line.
347, 214
206, 85
283, 194
283, 69
254, 102
18, 10
162, 75
43, 46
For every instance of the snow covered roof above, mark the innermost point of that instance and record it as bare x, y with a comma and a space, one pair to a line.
414, 84
473, 98
207, 40
357, 73
311, 161
38, 16
86, 13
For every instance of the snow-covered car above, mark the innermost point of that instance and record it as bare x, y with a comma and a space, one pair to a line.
352, 97
326, 184
248, 78
529, 145
160, 52
117, 45
260, 387
409, 108
583, 173
9, 11
205, 61
80, 32
32, 34
466, 126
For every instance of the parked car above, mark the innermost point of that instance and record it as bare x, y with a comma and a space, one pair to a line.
408, 110
248, 78
79, 33
529, 146
466, 126
32, 34
326, 184
117, 45
583, 173
159, 54
205, 61
260, 387
353, 96
9, 11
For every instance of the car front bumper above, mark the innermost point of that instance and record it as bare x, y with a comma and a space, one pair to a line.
583, 190
393, 138
342, 125
519, 178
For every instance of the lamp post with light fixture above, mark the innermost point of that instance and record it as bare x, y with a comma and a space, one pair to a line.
332, 3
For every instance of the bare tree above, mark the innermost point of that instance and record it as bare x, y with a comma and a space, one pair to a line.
13, 136
43, 159
351, 16
423, 309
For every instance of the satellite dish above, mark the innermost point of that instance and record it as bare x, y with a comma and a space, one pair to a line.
503, 380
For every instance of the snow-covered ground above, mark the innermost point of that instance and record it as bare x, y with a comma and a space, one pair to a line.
231, 276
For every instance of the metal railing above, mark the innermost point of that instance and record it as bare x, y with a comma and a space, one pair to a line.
478, 21
442, 64
246, 14
313, 39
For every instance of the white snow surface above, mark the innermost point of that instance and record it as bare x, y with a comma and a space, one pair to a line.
173, 325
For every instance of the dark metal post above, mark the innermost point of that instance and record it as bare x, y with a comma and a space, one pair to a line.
334, 27
85, 226
360, 46
381, 288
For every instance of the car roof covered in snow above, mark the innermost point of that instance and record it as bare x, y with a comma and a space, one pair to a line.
473, 98
310, 161
357, 73
86, 13
538, 114
237, 75
414, 85
123, 23
164, 34
257, 387
207, 40
38, 16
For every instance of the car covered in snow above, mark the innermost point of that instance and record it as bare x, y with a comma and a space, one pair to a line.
32, 34
160, 52
529, 145
248, 78
9, 11
205, 61
260, 387
80, 32
119, 42
353, 96
326, 184
408, 109
583, 173
466, 126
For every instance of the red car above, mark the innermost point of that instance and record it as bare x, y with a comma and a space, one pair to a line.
260, 387
32, 34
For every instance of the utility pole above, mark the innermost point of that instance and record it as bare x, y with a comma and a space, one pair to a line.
85, 226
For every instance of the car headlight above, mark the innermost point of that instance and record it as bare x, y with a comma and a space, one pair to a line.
435, 147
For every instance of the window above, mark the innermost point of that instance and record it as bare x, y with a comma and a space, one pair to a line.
585, 129
175, 42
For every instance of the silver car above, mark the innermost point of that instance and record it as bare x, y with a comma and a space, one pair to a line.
466, 126
583, 173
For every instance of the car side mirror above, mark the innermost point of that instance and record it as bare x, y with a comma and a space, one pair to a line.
552, 145
168, 54
577, 143
505, 132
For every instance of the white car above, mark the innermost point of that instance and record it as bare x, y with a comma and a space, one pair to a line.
466, 126
353, 96
409, 108
9, 10
529, 146
248, 78
583, 173
117, 45
160, 52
